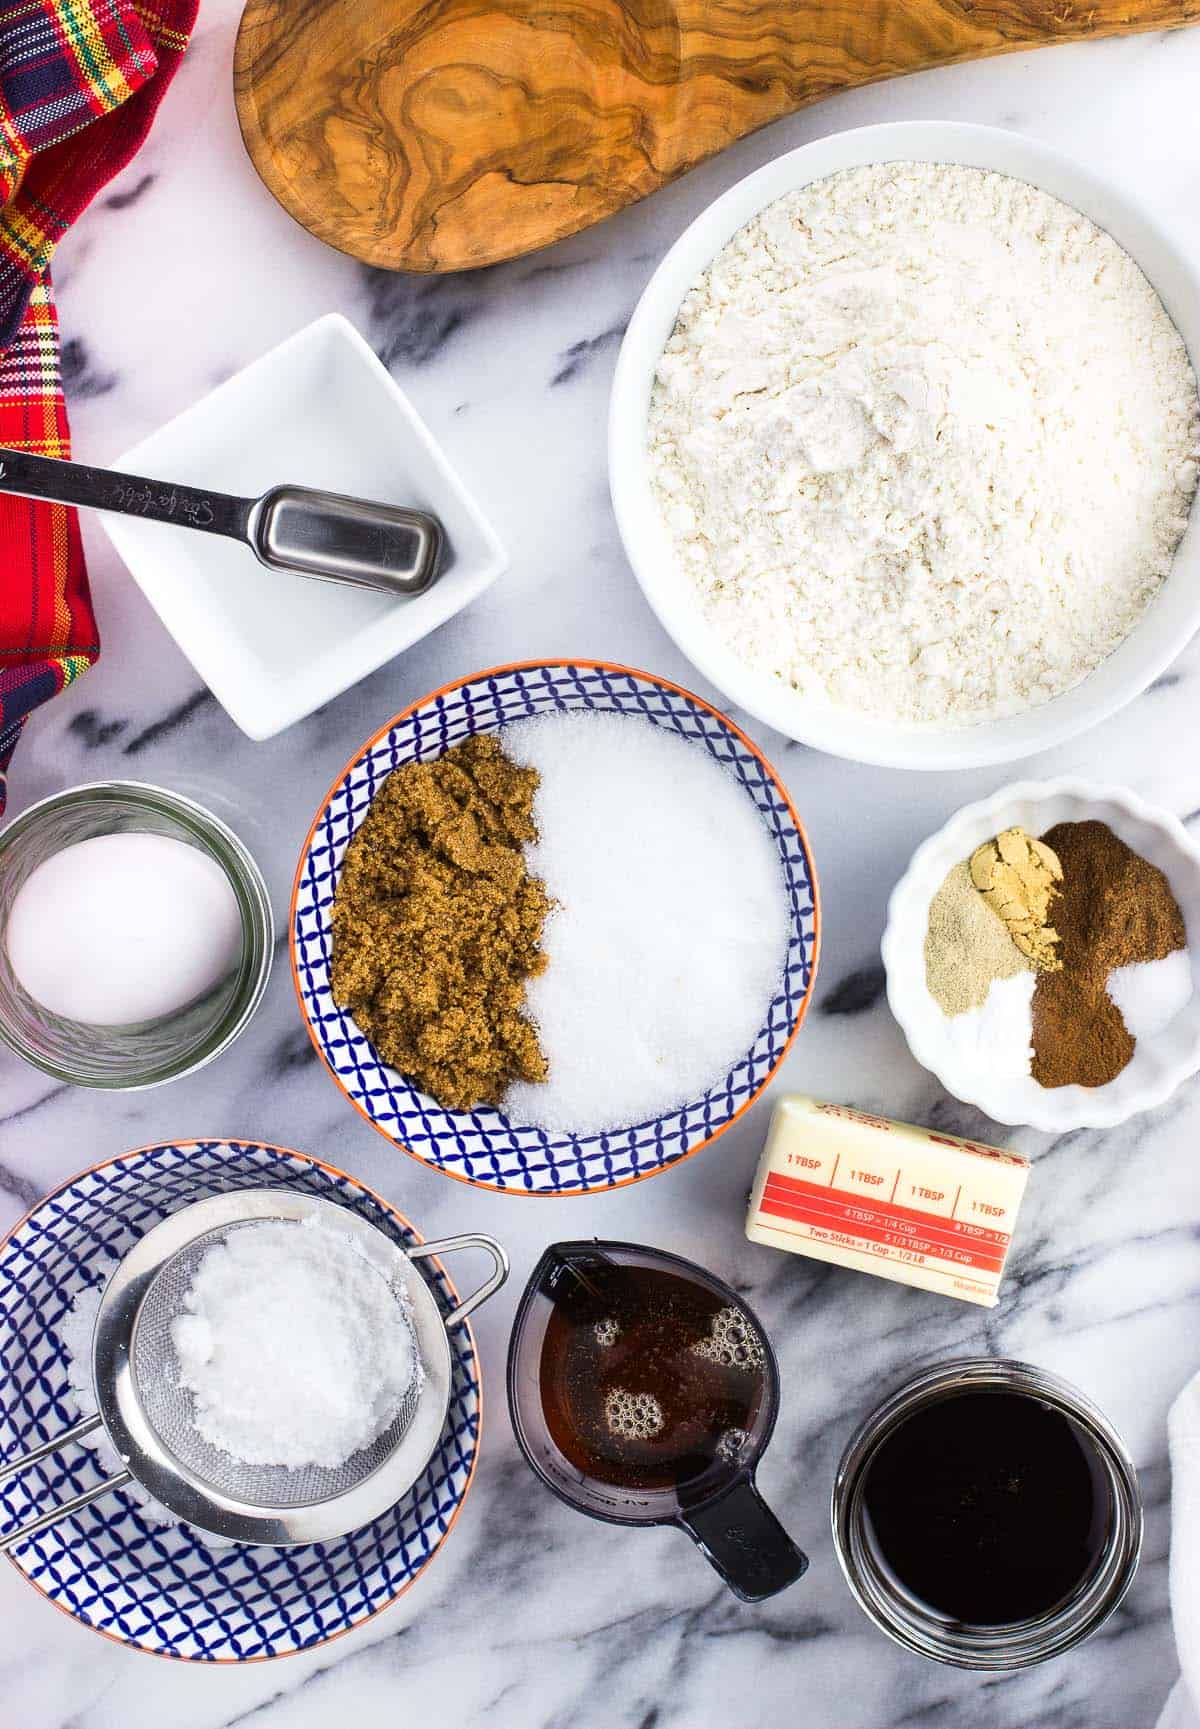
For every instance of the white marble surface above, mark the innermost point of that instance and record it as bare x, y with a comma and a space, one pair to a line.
533, 1617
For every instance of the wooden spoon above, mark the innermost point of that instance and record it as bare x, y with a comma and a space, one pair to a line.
446, 134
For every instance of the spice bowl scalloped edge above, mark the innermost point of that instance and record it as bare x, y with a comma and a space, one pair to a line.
1159, 1064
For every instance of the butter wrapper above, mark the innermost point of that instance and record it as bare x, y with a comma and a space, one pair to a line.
910, 1204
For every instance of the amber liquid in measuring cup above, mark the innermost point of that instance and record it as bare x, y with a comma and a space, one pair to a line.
643, 1391
649, 1380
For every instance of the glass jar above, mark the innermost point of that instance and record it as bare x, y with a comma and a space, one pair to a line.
1017, 1645
146, 1055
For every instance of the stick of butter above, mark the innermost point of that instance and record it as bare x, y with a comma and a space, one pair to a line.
910, 1204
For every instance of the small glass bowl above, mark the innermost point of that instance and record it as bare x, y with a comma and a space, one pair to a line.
152, 1052
1020, 1644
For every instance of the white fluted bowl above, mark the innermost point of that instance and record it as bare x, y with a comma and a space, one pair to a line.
1158, 1065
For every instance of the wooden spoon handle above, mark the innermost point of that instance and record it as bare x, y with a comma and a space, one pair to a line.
458, 133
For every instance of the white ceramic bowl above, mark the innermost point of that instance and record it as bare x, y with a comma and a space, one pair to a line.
1157, 1066
1163, 630
320, 410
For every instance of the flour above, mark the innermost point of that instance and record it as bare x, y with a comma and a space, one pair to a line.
925, 441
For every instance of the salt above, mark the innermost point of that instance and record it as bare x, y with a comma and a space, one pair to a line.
1151, 994
669, 930
294, 1346
998, 1034
123, 928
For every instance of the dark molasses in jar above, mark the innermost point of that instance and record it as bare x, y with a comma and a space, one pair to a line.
987, 1507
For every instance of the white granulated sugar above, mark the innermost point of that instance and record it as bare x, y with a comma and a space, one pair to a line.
998, 1035
293, 1345
925, 441
670, 927
1150, 994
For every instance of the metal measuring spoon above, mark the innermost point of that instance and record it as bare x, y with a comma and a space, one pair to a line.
296, 528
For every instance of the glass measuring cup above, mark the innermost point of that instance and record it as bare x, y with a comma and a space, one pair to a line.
643, 1392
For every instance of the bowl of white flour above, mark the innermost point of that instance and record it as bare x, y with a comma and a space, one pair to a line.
904, 444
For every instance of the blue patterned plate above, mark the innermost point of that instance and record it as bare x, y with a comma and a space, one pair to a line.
162, 1588
482, 1146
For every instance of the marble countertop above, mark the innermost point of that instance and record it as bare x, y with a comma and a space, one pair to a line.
532, 1617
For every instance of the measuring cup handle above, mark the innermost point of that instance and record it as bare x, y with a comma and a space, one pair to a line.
745, 1542
493, 1282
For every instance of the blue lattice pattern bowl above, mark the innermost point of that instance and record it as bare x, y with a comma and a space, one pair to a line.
482, 1146
162, 1588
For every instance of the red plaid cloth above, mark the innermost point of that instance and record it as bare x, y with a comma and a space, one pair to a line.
80, 82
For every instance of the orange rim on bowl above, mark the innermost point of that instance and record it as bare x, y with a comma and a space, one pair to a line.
480, 1147
239, 1621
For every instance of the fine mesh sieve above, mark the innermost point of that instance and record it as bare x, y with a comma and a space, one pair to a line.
147, 1415
168, 1405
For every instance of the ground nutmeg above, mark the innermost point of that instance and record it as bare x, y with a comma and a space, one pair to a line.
1115, 910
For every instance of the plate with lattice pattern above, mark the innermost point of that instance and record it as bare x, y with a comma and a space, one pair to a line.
482, 1146
163, 1588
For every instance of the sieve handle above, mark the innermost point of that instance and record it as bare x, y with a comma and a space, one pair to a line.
77, 1432
63, 1511
493, 1282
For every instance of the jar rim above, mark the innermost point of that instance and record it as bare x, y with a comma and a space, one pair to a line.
1019, 1644
246, 880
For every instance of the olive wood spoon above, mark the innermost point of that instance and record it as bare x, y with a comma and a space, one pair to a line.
435, 135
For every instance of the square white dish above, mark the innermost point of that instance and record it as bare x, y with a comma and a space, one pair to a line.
319, 410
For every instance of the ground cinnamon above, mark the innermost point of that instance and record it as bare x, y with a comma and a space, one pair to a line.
1115, 910
437, 925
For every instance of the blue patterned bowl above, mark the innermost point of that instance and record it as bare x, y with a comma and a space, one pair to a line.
481, 1146
162, 1588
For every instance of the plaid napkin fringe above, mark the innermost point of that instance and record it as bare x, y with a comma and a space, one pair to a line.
100, 64
80, 84
61, 67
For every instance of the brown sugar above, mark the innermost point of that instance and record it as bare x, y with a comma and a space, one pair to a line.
1115, 909
437, 925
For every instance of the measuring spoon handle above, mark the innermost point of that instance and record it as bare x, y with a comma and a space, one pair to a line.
128, 494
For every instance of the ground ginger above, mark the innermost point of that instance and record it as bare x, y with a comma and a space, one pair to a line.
437, 925
1019, 877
